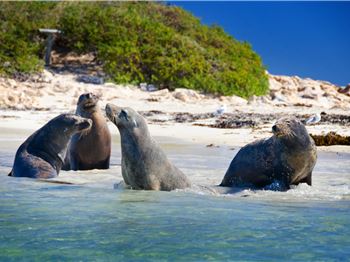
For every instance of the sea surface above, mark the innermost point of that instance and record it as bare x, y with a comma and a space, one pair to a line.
96, 219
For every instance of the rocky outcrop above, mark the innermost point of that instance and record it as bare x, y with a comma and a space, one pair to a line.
53, 90
296, 91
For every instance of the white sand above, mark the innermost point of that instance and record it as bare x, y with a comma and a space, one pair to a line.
53, 94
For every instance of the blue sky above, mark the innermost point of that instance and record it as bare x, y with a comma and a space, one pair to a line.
308, 39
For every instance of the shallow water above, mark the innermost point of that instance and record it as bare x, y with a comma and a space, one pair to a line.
95, 219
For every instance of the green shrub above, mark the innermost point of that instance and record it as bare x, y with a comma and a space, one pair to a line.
135, 42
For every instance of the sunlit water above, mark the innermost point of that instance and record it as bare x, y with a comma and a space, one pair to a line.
95, 219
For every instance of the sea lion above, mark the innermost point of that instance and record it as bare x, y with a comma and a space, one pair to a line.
42, 154
144, 164
287, 158
90, 149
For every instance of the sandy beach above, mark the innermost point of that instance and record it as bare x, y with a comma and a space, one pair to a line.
182, 114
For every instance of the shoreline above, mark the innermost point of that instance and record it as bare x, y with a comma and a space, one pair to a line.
26, 122
182, 114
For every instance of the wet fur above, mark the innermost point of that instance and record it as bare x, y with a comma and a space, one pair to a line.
144, 164
90, 149
43, 153
287, 158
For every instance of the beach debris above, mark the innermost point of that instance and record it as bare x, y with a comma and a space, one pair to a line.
212, 145
234, 123
331, 139
238, 120
314, 119
153, 99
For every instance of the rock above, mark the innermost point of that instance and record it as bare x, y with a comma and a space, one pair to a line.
161, 92
151, 88
143, 86
236, 100
345, 90
90, 79
258, 100
11, 83
185, 95
181, 96
305, 92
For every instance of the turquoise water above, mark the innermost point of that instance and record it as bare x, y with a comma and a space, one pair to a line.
97, 220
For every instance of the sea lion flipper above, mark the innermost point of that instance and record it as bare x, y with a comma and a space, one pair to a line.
105, 164
307, 179
10, 174
74, 163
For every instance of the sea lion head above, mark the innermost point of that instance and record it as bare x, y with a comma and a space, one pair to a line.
55, 135
87, 102
290, 129
125, 117
68, 124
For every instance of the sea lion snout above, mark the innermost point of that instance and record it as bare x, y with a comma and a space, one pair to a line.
114, 113
278, 130
88, 100
110, 111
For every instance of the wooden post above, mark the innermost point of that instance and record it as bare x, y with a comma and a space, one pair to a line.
49, 43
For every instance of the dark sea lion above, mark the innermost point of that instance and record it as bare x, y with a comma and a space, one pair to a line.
287, 158
144, 164
43, 153
90, 149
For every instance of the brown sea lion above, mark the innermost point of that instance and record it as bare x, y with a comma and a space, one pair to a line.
144, 164
90, 149
287, 158
42, 154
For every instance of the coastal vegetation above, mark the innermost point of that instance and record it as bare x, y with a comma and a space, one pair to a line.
134, 42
